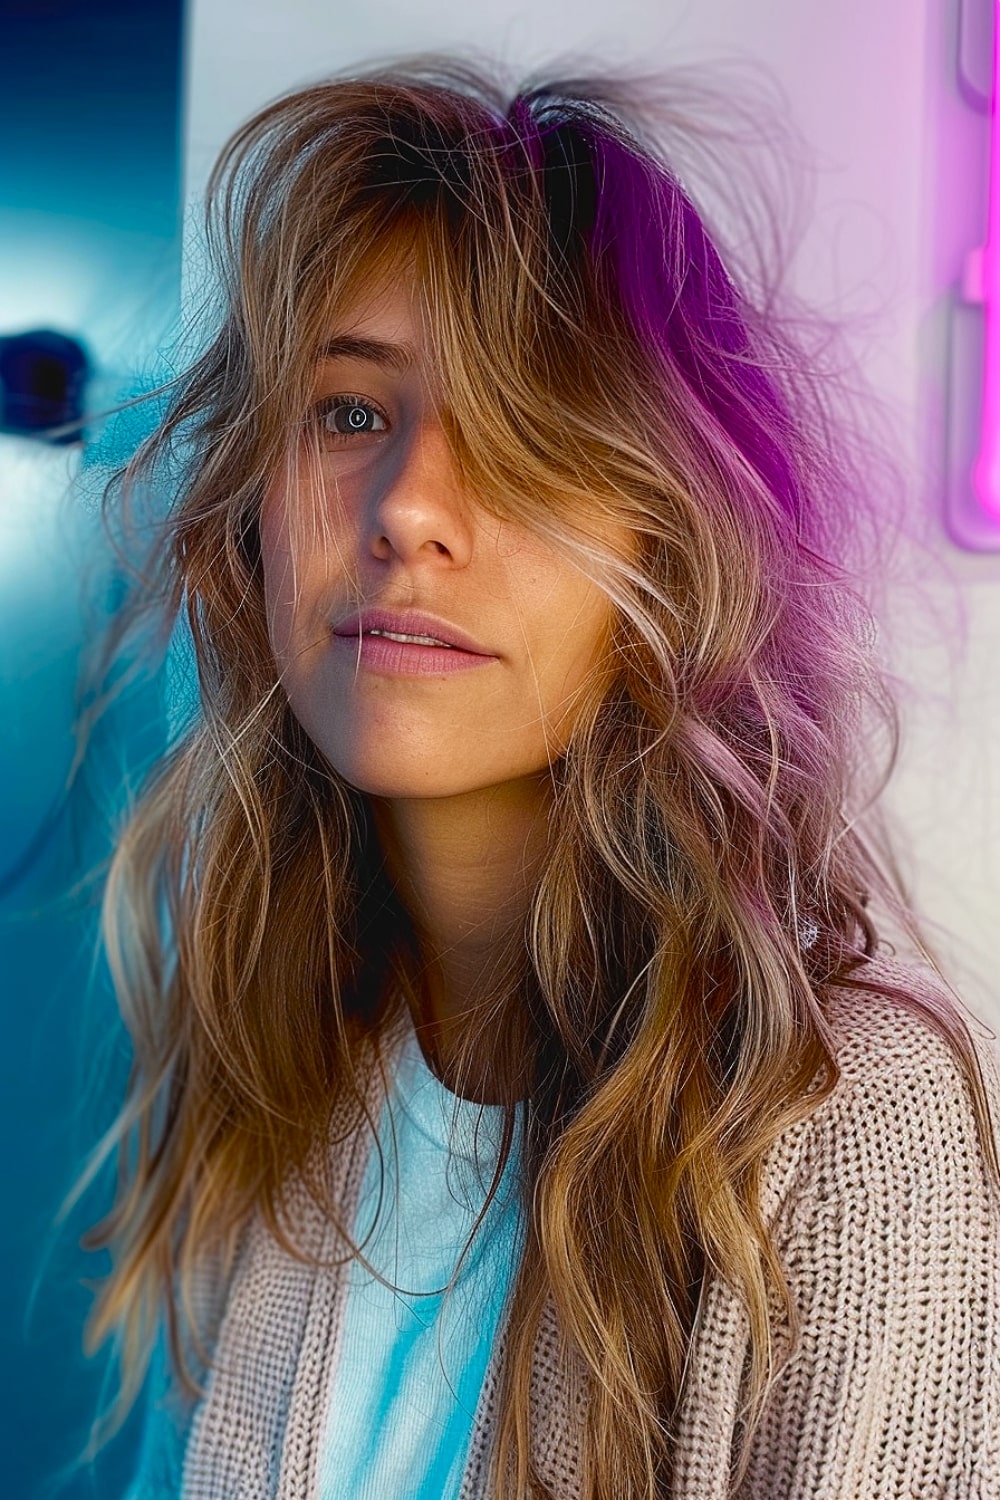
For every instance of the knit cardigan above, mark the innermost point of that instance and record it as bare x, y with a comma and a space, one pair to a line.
888, 1227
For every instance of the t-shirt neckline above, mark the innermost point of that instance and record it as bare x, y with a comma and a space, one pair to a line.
451, 1121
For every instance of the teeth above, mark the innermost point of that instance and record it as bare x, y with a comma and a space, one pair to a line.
417, 640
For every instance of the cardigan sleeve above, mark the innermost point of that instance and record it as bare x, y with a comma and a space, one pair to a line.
890, 1238
166, 1412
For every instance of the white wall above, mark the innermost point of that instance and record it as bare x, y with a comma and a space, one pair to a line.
897, 180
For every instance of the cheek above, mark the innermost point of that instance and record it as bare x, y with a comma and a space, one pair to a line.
572, 628
566, 618
583, 655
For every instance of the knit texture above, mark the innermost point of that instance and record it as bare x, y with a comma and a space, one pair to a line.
888, 1226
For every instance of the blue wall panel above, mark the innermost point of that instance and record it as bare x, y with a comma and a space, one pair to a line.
90, 105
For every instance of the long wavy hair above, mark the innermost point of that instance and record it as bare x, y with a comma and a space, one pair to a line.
706, 876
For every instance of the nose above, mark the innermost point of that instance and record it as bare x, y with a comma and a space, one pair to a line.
419, 510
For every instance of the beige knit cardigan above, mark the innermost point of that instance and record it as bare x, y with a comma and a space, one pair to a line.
888, 1226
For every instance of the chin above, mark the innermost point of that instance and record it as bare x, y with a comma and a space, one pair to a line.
378, 777
391, 782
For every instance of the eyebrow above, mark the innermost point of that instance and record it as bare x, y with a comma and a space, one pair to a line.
376, 351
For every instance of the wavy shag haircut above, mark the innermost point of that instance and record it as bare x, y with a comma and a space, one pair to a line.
706, 877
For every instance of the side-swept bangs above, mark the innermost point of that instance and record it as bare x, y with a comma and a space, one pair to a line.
583, 329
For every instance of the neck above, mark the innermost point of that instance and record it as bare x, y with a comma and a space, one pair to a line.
465, 868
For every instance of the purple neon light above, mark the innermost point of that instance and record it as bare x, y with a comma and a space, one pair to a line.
986, 471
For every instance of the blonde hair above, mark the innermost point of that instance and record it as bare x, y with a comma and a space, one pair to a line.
706, 879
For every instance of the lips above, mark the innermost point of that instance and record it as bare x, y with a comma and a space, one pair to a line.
408, 622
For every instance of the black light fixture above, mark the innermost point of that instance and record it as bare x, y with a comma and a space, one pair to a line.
42, 379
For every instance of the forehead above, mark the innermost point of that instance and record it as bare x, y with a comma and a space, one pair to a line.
377, 316
380, 326
382, 314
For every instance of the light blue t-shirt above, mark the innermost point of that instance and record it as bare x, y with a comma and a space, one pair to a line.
413, 1356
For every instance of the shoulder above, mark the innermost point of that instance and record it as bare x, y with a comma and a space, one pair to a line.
896, 1064
876, 1022
902, 1108
886, 1220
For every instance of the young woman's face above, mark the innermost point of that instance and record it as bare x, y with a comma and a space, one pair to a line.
377, 531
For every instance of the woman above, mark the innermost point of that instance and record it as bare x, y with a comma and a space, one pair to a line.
524, 1101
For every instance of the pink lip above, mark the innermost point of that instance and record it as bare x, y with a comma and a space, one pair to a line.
404, 657
407, 657
407, 622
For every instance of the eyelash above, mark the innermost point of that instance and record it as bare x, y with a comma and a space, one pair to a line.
327, 407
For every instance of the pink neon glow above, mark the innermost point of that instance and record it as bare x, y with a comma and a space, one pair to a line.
986, 472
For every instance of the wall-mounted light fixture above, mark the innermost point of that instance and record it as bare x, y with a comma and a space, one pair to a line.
984, 265
973, 479
43, 375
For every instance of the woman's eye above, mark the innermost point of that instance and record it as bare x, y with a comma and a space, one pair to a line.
343, 417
